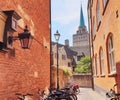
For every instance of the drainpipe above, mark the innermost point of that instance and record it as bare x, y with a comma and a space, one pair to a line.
50, 47
89, 9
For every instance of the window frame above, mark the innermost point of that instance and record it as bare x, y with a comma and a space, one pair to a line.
63, 57
104, 3
94, 28
69, 64
104, 6
111, 56
93, 65
98, 13
101, 58
96, 65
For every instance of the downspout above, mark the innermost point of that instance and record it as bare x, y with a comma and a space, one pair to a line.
50, 47
90, 14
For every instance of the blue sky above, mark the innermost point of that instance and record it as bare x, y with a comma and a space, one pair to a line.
65, 17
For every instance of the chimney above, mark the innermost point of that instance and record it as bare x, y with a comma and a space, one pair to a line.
67, 42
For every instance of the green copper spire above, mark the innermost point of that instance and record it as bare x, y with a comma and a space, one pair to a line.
82, 23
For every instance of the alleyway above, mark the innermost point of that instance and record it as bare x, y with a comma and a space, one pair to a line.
89, 94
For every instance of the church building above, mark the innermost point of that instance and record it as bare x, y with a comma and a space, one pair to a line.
81, 39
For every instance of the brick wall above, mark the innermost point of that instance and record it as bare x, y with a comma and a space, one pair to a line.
29, 69
63, 79
81, 80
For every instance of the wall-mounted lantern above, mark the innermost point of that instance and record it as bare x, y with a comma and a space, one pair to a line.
9, 28
24, 37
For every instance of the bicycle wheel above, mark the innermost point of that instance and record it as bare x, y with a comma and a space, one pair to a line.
77, 91
73, 96
114, 99
64, 98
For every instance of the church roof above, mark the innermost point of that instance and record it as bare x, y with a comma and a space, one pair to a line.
82, 23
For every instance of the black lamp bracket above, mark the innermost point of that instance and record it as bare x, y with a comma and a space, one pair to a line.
12, 38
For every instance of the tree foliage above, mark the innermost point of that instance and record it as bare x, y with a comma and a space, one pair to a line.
83, 66
66, 71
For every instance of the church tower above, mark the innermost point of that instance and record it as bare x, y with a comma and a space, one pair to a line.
81, 39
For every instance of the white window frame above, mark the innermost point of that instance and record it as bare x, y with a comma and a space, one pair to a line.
112, 66
98, 12
93, 65
94, 28
102, 62
96, 65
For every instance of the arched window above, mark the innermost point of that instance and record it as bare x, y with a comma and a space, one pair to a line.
101, 57
98, 12
111, 58
96, 65
93, 66
94, 26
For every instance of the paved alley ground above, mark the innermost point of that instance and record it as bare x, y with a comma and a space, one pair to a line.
89, 94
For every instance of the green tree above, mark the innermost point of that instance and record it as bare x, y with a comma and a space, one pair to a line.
83, 66
66, 71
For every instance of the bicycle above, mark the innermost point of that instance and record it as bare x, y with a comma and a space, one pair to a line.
42, 95
71, 92
54, 94
24, 96
112, 95
75, 89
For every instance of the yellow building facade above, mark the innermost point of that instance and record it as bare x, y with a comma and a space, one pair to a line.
104, 27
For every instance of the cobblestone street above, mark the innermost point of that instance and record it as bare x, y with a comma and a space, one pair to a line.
89, 94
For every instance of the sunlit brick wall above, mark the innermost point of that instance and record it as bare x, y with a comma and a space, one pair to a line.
29, 70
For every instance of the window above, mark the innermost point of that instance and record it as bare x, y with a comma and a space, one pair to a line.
14, 24
104, 3
111, 60
69, 64
55, 55
101, 62
94, 70
98, 12
2, 25
78, 58
63, 57
96, 66
94, 26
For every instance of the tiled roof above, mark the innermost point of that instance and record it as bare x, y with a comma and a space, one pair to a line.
70, 53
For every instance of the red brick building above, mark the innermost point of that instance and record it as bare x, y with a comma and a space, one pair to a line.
104, 27
25, 70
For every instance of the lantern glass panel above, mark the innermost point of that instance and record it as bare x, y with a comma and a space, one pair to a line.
24, 42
